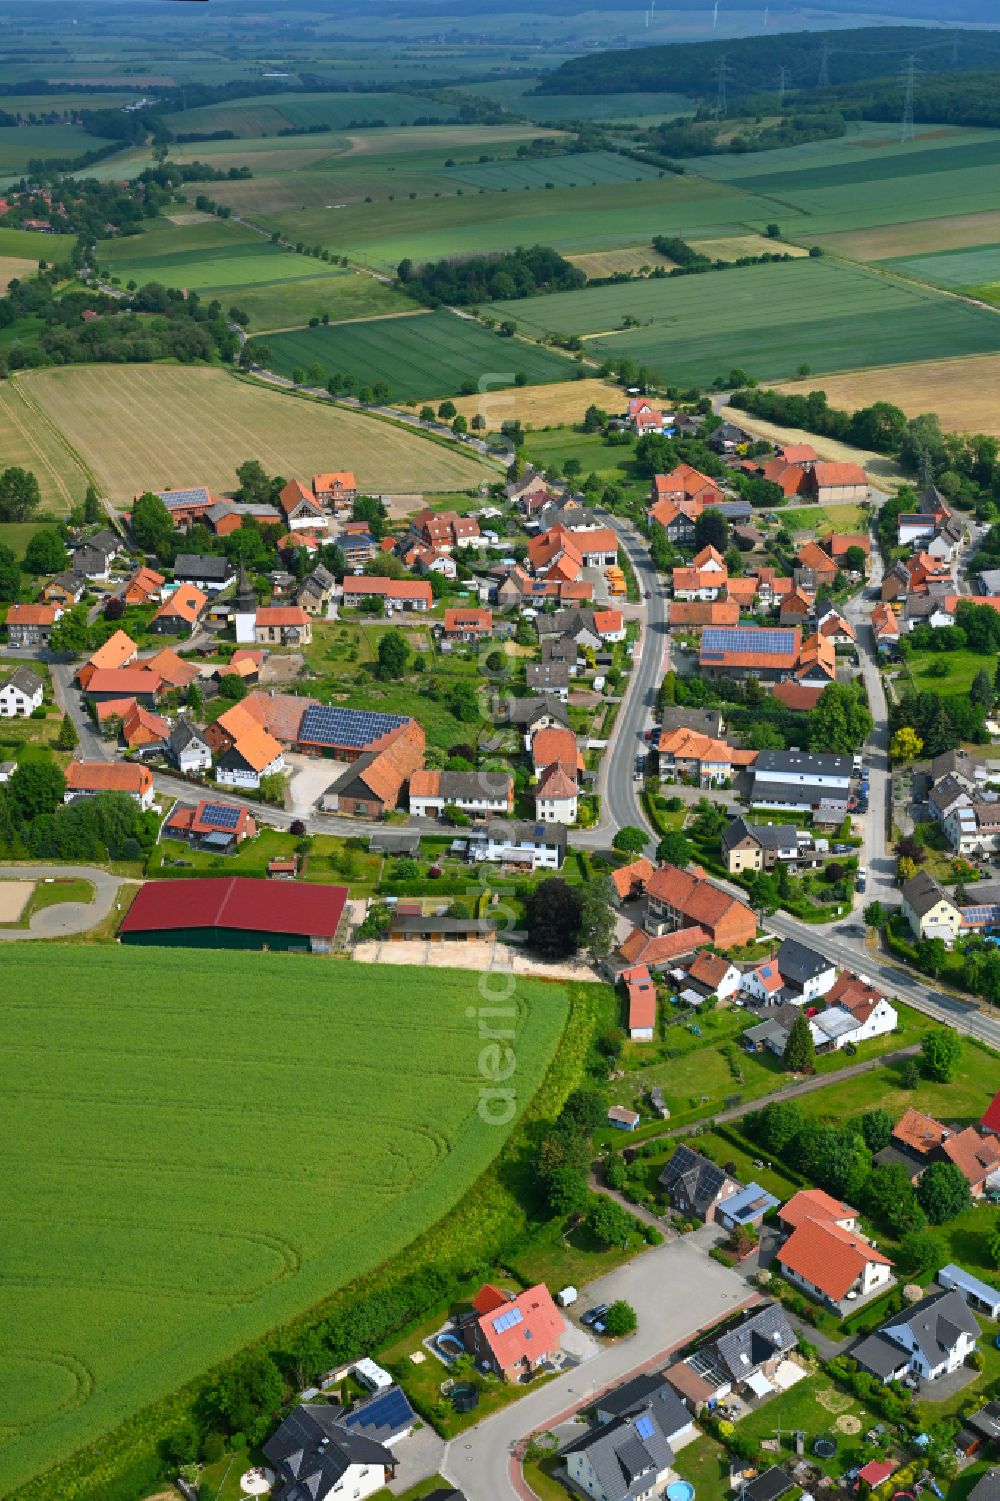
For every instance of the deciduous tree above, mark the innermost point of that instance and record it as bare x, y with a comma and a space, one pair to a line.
941, 1052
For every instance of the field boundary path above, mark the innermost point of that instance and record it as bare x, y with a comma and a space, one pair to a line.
64, 919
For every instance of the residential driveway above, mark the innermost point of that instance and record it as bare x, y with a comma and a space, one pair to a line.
308, 780
419, 1458
65, 918
676, 1291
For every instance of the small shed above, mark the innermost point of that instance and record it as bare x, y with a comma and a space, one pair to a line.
622, 1119
980, 1296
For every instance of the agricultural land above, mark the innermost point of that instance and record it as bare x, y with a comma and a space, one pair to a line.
195, 1209
962, 392
160, 426
420, 357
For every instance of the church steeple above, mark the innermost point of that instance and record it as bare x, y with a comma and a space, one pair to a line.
246, 598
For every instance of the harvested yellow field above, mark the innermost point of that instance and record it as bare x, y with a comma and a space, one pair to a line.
961, 392
919, 237
28, 440
156, 427
542, 406
609, 262
12, 268
731, 247
884, 471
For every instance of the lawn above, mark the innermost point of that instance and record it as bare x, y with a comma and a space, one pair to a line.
959, 1103
52, 894
947, 672
427, 356
814, 1406
186, 1207
159, 426
329, 859
767, 319
290, 304
591, 451
17, 534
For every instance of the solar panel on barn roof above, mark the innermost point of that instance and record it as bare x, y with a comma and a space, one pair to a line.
323, 725
389, 1409
762, 640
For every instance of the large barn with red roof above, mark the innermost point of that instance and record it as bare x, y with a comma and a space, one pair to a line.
235, 912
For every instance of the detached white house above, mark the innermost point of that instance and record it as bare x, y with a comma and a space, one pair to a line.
930, 1340
480, 794
21, 694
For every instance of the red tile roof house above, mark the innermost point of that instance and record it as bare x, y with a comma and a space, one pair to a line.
31, 625
677, 900
826, 1256
282, 625
336, 490
512, 1336
179, 613
300, 508
641, 994
402, 594
87, 778
236, 912
467, 623
136, 683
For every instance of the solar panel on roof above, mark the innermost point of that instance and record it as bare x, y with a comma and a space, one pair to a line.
222, 814
644, 1426
507, 1320
354, 728
389, 1409
182, 497
763, 641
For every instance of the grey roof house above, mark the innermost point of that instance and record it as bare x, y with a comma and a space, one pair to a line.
746, 1355
622, 1460
317, 1457
931, 1339
695, 1185
188, 748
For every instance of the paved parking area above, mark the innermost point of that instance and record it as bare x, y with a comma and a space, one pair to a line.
419, 1457
308, 780
14, 898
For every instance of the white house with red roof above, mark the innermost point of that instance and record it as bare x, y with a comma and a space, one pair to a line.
512, 1334
826, 1256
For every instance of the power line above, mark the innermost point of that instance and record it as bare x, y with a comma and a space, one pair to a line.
782, 81
823, 81
909, 72
722, 73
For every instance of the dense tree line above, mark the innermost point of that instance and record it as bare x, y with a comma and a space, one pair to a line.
490, 278
972, 99
153, 322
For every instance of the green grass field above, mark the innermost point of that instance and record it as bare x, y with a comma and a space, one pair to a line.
767, 319
428, 355
202, 1146
582, 218
515, 94
290, 304
29, 245
334, 111
570, 170
20, 144
976, 267
205, 256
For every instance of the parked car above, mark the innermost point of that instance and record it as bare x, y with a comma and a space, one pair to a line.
862, 878
592, 1315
